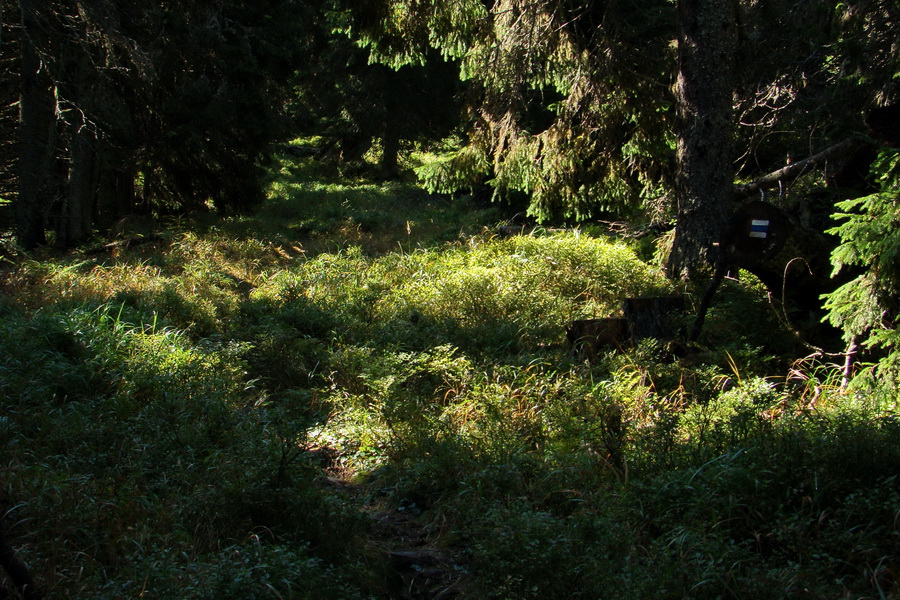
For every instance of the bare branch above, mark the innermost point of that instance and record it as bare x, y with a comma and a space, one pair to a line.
794, 170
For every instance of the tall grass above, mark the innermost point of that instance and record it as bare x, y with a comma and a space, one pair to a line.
215, 416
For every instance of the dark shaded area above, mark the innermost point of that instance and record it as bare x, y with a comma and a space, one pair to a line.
791, 260
17, 571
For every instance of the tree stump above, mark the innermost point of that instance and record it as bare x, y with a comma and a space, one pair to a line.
651, 317
654, 317
588, 337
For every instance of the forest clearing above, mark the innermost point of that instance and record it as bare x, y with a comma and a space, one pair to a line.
354, 398
428, 299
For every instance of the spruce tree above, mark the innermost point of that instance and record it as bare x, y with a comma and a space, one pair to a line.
574, 103
148, 106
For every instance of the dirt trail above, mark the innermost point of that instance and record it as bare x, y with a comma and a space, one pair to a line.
423, 570
417, 566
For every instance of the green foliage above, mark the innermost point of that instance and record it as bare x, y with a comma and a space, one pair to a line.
129, 440
571, 103
464, 168
866, 308
553, 116
256, 569
314, 208
731, 418
525, 288
360, 106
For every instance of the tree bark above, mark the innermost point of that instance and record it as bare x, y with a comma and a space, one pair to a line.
390, 153
704, 178
391, 133
9, 122
38, 113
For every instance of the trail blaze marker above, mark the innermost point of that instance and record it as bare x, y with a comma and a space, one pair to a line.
756, 232
759, 228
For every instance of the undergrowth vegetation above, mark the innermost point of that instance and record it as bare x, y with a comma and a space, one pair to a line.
214, 416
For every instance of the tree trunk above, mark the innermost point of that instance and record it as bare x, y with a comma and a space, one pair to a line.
390, 139
116, 193
77, 216
390, 154
704, 178
38, 114
9, 124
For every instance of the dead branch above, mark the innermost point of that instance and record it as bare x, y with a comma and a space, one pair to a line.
794, 170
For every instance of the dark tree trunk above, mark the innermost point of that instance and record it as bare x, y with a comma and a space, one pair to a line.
390, 153
393, 114
77, 216
37, 130
9, 122
704, 179
116, 193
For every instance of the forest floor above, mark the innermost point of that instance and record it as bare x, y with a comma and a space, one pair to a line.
365, 392
418, 565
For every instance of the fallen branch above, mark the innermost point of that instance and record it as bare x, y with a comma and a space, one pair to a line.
121, 244
794, 170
